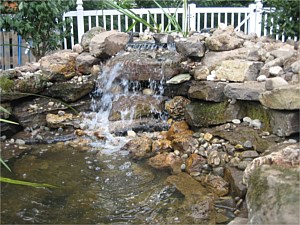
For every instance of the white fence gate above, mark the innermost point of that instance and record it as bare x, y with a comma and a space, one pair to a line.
246, 19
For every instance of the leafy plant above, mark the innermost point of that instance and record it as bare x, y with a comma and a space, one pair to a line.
39, 23
283, 17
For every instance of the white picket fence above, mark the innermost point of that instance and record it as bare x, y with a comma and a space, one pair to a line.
247, 19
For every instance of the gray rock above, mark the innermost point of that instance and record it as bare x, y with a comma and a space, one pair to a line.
276, 71
208, 91
239, 70
244, 91
296, 67
192, 47
87, 37
273, 196
284, 123
235, 177
285, 97
108, 43
238, 221
201, 72
85, 63
249, 154
223, 42
178, 79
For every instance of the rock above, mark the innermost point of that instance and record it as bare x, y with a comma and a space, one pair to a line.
238, 221
59, 66
87, 37
139, 148
71, 90
223, 42
56, 121
240, 134
134, 107
208, 91
85, 63
176, 106
283, 52
296, 67
214, 59
275, 82
273, 195
249, 90
215, 184
271, 63
166, 161
185, 143
177, 128
197, 200
285, 97
284, 123
238, 70
143, 66
248, 154
214, 158
25, 83
108, 43
203, 114
178, 79
276, 71
235, 178
161, 145
285, 155
77, 48
201, 72
172, 90
192, 47
261, 78
195, 163
163, 38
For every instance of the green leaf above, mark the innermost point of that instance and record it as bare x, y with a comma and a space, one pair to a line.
8, 121
19, 182
4, 164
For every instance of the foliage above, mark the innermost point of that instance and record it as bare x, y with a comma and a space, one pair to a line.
20, 182
39, 23
5, 83
284, 17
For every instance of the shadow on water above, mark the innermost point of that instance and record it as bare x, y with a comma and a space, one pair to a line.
93, 189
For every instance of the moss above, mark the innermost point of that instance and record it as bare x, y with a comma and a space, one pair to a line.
6, 84
255, 110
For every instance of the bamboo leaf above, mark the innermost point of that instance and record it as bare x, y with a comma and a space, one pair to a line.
2, 109
8, 121
25, 183
4, 164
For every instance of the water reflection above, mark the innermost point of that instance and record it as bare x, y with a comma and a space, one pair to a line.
94, 188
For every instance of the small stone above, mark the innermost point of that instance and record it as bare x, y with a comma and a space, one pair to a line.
179, 79
20, 142
148, 91
11, 141
219, 171
61, 113
236, 121
243, 164
247, 119
261, 78
208, 136
131, 134
249, 154
276, 70
247, 144
185, 156
256, 124
239, 147
195, 174
50, 104
227, 126
177, 152
183, 167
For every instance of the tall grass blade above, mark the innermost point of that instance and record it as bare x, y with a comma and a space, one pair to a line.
25, 183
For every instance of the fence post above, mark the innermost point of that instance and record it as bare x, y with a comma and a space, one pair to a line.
192, 16
255, 17
80, 21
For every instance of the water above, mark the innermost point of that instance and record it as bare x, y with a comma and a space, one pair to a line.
93, 188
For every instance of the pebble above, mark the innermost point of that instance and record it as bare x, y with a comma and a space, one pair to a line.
208, 136
247, 119
61, 113
183, 167
195, 174
247, 144
50, 104
131, 133
261, 78
20, 142
236, 121
227, 126
256, 124
249, 154
176, 152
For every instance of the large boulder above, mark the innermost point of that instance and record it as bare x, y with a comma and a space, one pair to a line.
286, 97
238, 70
59, 66
85, 62
249, 91
191, 48
87, 37
71, 90
108, 43
134, 107
203, 114
145, 66
208, 91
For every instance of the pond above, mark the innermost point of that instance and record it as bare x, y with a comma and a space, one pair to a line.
92, 188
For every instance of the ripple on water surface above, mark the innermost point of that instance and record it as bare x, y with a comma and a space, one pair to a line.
92, 188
